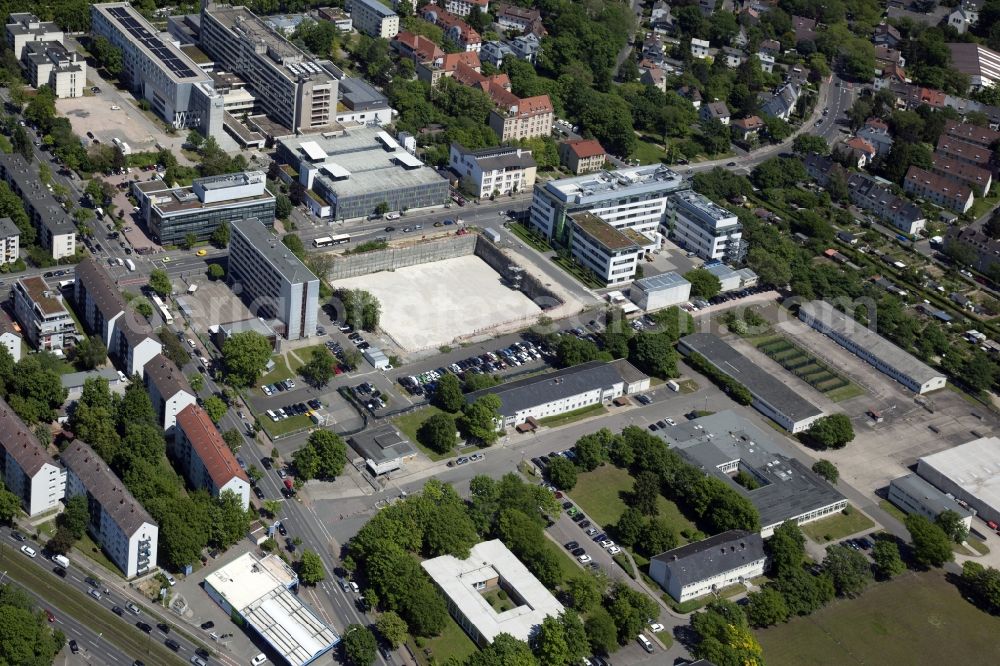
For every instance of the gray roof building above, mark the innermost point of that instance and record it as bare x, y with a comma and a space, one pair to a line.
105, 487
915, 495
697, 568
725, 442
19, 442
383, 448
8, 228
772, 397
56, 230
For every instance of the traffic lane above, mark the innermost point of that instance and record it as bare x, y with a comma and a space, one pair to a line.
564, 531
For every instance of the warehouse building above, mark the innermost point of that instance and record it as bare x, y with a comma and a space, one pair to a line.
272, 280
771, 397
260, 592
171, 213
914, 495
355, 170
969, 472
696, 569
871, 347
383, 449
725, 443
554, 393
27, 469
660, 291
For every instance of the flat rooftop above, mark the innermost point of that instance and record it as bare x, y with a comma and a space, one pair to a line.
929, 496
660, 282
975, 466
174, 62
45, 298
702, 207
382, 444
273, 250
604, 185
241, 191
759, 382
489, 562
259, 589
865, 338
603, 233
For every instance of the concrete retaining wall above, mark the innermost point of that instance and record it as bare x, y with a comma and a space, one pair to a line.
531, 287
353, 265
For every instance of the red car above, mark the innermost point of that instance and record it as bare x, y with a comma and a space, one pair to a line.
48, 614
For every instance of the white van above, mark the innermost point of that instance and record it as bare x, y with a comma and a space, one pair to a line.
646, 644
61, 560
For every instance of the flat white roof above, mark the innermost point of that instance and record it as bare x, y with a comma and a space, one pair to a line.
313, 151
387, 140
258, 589
487, 561
975, 466
335, 170
408, 160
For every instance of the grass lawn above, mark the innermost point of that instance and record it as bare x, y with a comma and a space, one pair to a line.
305, 354
984, 204
918, 618
581, 274
452, 644
598, 493
892, 510
837, 526
280, 372
568, 567
575, 415
978, 546
285, 426
532, 239
852, 390
408, 424
648, 153
87, 546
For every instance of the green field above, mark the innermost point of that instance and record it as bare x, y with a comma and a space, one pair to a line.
409, 423
453, 643
806, 367
285, 426
837, 526
599, 494
919, 618
572, 417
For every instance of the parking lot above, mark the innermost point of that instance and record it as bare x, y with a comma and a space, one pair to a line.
106, 116
214, 303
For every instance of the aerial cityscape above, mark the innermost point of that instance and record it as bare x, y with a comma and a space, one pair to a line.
472, 333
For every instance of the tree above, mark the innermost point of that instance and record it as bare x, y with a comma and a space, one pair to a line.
766, 608
592, 449
361, 308
76, 516
849, 570
803, 592
245, 355
438, 433
220, 237
159, 282
562, 473
197, 382
629, 526
25, 636
888, 563
549, 643
805, 144
505, 650
704, 285
571, 350
10, 505
282, 206
949, 521
585, 592
22, 143
311, 568
89, 353
216, 272
322, 457
34, 390
294, 243
982, 584
827, 470
654, 354
215, 407
931, 545
448, 394
786, 548
190, 240
645, 493
392, 628
233, 440
360, 646
830, 432
479, 419
657, 536
318, 370
601, 631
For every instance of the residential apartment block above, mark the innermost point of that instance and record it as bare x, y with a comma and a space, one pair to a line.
98, 300
943, 191
705, 228
977, 178
610, 254
493, 171
56, 229
171, 213
23, 29
511, 17
10, 335
28, 470
134, 345
963, 151
204, 457
464, 7
275, 284
455, 29
582, 155
10, 241
520, 118
168, 389
118, 523
373, 18
984, 137
43, 316
709, 565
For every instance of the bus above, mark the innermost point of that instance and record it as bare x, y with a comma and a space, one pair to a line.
327, 241
164, 312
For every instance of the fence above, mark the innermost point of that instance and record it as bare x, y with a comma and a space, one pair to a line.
438, 249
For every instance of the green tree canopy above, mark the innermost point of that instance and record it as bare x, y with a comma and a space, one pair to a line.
245, 355
830, 432
479, 419
448, 394
438, 433
704, 285
562, 473
849, 570
159, 282
215, 407
318, 370
931, 545
360, 646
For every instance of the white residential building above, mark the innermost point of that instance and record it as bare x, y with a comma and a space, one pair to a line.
56, 229
699, 48
373, 18
125, 532
43, 316
28, 470
493, 171
134, 345
26, 28
99, 302
610, 254
49, 63
464, 7
10, 241
705, 228
168, 389
205, 458
709, 565
10, 335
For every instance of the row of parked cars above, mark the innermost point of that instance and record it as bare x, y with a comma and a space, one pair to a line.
297, 409
736, 295
370, 397
515, 355
278, 387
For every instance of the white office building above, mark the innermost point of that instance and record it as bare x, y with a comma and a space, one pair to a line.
274, 283
871, 347
42, 314
709, 565
705, 228
27, 469
610, 254
168, 389
23, 29
913, 494
205, 458
660, 291
49, 63
118, 523
373, 18
493, 171
634, 197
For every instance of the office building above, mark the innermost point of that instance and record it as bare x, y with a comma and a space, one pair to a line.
10, 335
555, 393
610, 254
205, 458
171, 213
705, 228
355, 170
168, 389
56, 229
156, 70
709, 565
10, 241
24, 29
634, 197
493, 171
373, 18
943, 191
772, 397
43, 316
134, 344
582, 155
969, 472
118, 523
491, 567
660, 291
28, 470
49, 63
259, 591
290, 86
871, 347
98, 300
382, 448
913, 494
725, 443
273, 282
